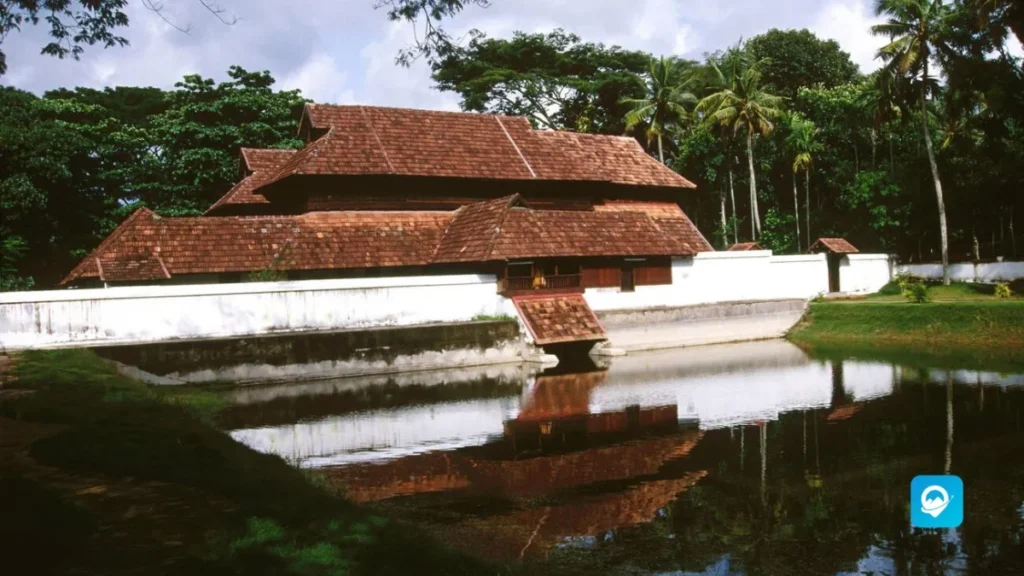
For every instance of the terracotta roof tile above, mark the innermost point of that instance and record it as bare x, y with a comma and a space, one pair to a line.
148, 247
744, 247
360, 140
550, 233
258, 164
557, 318
504, 229
471, 233
215, 244
833, 245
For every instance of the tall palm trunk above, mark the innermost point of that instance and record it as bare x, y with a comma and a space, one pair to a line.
725, 225
755, 224
949, 425
661, 152
735, 220
807, 202
1013, 237
935, 176
892, 157
874, 147
796, 212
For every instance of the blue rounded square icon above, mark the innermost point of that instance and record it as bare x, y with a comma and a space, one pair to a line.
936, 501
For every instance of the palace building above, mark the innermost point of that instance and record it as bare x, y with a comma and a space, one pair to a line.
397, 192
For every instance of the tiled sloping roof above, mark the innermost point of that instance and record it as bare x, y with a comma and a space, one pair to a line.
265, 159
667, 215
557, 318
833, 245
214, 244
683, 230
503, 230
550, 233
148, 247
145, 264
260, 163
90, 266
744, 247
471, 233
375, 140
592, 157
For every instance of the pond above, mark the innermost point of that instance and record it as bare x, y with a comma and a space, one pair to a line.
751, 458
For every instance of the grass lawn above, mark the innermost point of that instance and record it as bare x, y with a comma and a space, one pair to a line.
962, 321
112, 476
956, 292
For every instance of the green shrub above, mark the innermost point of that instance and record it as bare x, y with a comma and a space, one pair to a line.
1003, 290
916, 293
906, 282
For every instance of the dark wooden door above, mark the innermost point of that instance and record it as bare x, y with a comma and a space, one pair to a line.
833, 272
628, 279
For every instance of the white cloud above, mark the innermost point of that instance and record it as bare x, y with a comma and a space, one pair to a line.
387, 84
320, 78
344, 51
849, 23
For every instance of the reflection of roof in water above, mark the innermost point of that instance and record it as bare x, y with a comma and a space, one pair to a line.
539, 475
533, 532
560, 395
844, 412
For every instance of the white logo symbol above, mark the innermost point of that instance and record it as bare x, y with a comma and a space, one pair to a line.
936, 505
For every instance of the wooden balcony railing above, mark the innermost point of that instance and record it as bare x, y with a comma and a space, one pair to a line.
526, 284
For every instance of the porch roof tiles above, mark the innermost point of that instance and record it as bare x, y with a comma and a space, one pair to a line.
833, 245
559, 318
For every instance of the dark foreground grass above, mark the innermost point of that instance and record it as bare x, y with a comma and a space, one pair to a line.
984, 333
276, 520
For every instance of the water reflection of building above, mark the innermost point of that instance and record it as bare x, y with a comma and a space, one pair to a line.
571, 459
552, 444
715, 386
552, 461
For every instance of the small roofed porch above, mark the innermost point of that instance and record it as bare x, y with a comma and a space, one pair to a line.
836, 251
560, 321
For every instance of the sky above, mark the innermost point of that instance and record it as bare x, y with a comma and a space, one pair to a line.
343, 51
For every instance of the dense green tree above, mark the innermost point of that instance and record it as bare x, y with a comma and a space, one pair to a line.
665, 105
74, 164
915, 31
803, 144
199, 137
129, 104
703, 159
555, 79
741, 105
57, 190
795, 58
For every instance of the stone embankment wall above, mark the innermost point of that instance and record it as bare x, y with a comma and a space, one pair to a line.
321, 355
714, 297
145, 314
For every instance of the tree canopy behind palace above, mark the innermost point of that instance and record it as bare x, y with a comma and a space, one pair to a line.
77, 161
74, 163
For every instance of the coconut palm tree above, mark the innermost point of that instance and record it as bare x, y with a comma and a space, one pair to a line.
664, 107
915, 31
802, 142
740, 104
